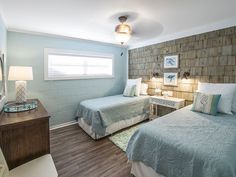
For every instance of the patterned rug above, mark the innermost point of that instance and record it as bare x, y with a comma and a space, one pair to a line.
121, 139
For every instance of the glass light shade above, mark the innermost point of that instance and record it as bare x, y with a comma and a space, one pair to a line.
123, 33
123, 28
20, 73
122, 37
153, 79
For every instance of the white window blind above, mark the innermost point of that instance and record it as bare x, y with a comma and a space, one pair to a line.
60, 65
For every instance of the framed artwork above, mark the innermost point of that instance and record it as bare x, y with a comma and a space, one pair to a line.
170, 79
171, 61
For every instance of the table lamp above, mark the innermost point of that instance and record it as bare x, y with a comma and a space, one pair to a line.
20, 74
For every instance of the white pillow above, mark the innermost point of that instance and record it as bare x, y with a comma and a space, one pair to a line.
136, 82
227, 92
144, 88
234, 103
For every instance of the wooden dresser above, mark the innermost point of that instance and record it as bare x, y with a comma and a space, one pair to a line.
24, 136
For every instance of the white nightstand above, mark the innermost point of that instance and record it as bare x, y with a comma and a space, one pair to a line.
171, 102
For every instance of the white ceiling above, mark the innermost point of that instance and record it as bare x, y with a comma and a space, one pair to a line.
152, 20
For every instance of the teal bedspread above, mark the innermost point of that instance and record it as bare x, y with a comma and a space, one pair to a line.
102, 112
187, 144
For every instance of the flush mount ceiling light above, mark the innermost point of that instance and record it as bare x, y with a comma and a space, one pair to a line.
123, 30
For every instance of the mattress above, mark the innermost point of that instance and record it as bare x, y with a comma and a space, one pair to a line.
101, 113
186, 143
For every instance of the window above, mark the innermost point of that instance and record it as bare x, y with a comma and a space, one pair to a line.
66, 64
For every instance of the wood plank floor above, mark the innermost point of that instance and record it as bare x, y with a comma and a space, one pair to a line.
77, 155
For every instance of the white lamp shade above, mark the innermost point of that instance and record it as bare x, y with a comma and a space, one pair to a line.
20, 73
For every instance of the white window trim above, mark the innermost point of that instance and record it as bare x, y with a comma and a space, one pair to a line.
48, 51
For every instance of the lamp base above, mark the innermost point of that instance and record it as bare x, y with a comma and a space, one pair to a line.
21, 91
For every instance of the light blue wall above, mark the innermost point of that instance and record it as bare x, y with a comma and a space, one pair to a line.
3, 36
61, 98
3, 49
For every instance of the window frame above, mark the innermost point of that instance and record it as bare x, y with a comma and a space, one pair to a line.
48, 51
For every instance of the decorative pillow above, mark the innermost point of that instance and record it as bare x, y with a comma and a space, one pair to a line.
129, 90
143, 90
227, 92
136, 82
205, 103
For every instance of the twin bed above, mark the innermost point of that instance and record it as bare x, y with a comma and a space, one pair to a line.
100, 117
185, 144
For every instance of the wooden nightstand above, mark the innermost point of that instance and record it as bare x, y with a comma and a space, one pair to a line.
170, 102
24, 136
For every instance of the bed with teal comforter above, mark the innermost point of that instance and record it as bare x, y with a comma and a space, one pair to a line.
100, 113
187, 144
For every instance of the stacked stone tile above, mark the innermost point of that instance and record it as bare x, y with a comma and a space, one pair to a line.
210, 57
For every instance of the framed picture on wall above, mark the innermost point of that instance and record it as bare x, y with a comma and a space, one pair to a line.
170, 79
171, 61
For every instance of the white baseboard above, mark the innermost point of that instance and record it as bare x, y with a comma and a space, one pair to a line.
53, 127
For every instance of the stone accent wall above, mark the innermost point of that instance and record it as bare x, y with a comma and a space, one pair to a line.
210, 57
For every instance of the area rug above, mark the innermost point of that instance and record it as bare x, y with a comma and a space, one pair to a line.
121, 139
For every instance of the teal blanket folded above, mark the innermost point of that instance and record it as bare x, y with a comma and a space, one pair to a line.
102, 112
187, 144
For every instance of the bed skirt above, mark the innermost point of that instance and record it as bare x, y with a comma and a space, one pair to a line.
112, 128
139, 169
